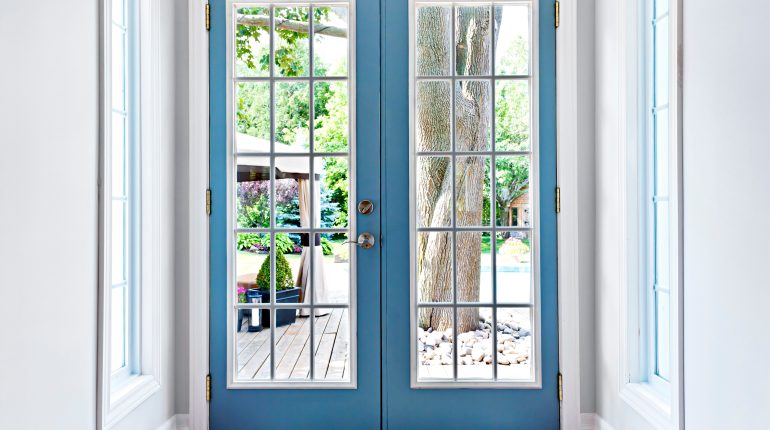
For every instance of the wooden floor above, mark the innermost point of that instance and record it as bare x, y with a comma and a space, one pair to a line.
292, 349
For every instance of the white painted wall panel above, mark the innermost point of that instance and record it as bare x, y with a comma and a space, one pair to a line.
48, 195
726, 206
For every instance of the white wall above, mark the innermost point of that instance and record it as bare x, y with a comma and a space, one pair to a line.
726, 148
48, 168
726, 153
48, 218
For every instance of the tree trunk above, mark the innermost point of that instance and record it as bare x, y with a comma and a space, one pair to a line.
432, 133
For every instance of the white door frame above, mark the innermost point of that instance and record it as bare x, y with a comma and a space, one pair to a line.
567, 168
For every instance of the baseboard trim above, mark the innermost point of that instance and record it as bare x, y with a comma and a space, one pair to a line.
176, 422
593, 422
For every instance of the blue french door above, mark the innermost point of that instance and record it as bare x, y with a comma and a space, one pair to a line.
468, 184
295, 143
442, 116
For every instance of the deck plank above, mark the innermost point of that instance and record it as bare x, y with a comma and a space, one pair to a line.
302, 368
261, 357
339, 355
282, 345
295, 352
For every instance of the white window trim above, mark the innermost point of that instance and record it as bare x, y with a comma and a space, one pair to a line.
662, 410
232, 154
114, 403
535, 382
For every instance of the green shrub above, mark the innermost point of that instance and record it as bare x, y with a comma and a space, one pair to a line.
326, 245
284, 279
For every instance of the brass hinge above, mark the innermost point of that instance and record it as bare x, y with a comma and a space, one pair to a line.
208, 387
558, 199
560, 388
208, 17
208, 202
556, 14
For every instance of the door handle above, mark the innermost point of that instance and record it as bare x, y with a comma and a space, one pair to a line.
365, 240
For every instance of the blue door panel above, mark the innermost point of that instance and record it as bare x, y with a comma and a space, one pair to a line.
406, 408
289, 408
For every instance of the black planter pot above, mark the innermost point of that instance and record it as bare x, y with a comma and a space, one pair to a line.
282, 316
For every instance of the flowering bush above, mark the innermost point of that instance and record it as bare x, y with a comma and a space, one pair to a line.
515, 248
241, 294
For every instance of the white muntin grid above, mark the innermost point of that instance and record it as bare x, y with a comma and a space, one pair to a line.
312, 156
491, 156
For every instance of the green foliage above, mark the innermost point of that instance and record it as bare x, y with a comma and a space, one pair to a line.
292, 107
326, 245
257, 215
247, 241
284, 279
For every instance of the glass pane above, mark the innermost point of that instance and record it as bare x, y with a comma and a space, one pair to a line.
661, 7
472, 191
330, 47
474, 277
433, 34
512, 40
474, 343
661, 153
253, 345
473, 53
434, 267
117, 328
252, 266
252, 189
292, 192
663, 327
118, 12
434, 343
661, 61
514, 343
662, 244
512, 191
292, 45
514, 267
119, 229
252, 41
118, 69
118, 148
252, 117
433, 106
332, 268
332, 349
332, 187
292, 117
331, 116
512, 122
434, 192
473, 115
292, 348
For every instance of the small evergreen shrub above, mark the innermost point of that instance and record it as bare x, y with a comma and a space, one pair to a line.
284, 279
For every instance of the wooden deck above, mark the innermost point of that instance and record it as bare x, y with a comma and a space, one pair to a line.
292, 349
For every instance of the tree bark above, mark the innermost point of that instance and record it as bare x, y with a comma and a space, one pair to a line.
472, 133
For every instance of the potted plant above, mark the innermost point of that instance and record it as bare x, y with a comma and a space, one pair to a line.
285, 291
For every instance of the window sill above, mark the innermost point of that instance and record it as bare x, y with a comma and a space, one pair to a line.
129, 396
650, 404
